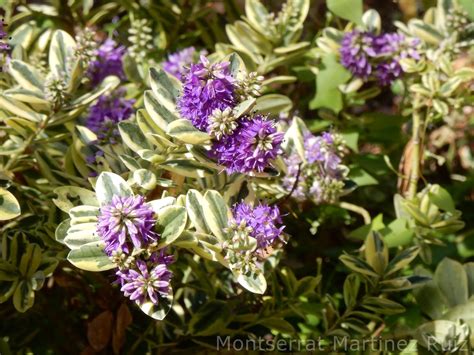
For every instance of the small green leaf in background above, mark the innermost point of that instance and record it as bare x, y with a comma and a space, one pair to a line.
210, 318
451, 279
328, 80
9, 206
350, 10
468, 6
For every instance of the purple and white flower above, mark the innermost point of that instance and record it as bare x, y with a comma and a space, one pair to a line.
126, 223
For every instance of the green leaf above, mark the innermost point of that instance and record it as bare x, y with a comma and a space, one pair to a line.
171, 223
66, 194
27, 76
257, 14
351, 140
165, 87
361, 177
90, 257
9, 206
20, 109
425, 32
245, 38
441, 198
351, 290
451, 279
376, 252
215, 213
30, 260
253, 282
277, 324
382, 305
83, 214
469, 268
210, 319
328, 80
159, 113
60, 51
157, 205
357, 265
194, 206
350, 10
294, 137
109, 185
24, 296
8, 272
306, 285
184, 130
80, 234
273, 103
160, 310
145, 179
404, 283
188, 168
372, 21
244, 107
401, 260
468, 7
132, 136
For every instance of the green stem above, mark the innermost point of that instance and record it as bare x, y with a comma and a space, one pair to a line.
357, 209
415, 168
27, 143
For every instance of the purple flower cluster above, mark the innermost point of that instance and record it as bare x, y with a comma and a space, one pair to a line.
126, 223
107, 112
366, 54
321, 176
263, 220
245, 144
206, 87
250, 147
178, 63
147, 280
357, 49
109, 62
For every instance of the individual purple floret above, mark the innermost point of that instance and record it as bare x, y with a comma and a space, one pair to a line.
147, 281
206, 87
264, 220
356, 51
394, 47
178, 63
108, 62
106, 113
251, 146
126, 223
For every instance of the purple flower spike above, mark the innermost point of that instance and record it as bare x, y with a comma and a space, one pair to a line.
356, 50
107, 112
178, 63
143, 282
108, 62
206, 87
251, 147
126, 223
264, 220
